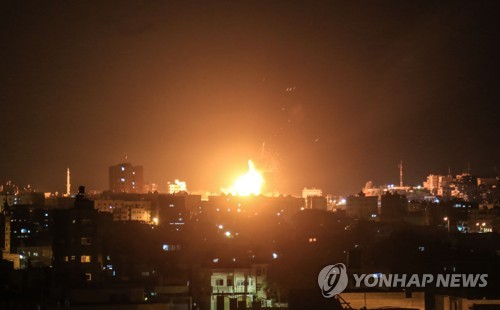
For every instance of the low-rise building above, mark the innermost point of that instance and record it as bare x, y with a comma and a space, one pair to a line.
240, 287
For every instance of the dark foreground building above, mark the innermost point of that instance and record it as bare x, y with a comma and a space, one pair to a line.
78, 256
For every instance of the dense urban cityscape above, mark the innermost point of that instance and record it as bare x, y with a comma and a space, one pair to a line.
136, 244
243, 155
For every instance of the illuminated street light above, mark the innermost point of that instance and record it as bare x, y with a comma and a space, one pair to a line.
447, 220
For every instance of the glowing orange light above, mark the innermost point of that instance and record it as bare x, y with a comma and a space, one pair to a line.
248, 184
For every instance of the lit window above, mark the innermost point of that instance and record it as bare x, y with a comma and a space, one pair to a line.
86, 241
219, 282
123, 168
85, 259
88, 277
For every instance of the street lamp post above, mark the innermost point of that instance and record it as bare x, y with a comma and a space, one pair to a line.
447, 219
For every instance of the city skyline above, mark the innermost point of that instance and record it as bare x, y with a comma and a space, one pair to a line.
250, 155
328, 94
125, 177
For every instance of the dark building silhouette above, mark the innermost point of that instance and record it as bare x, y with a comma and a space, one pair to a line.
125, 178
393, 207
77, 244
362, 207
172, 210
5, 216
316, 202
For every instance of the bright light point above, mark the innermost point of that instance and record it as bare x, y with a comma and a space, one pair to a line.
221, 227
248, 184
155, 220
446, 218
275, 256
228, 234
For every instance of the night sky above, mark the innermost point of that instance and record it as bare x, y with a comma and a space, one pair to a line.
324, 94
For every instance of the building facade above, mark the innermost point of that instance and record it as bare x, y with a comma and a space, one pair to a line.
362, 207
126, 178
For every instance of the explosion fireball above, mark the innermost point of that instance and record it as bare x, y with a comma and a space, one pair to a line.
248, 184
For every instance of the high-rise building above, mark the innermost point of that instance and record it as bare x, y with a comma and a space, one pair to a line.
5, 216
78, 255
5, 234
125, 178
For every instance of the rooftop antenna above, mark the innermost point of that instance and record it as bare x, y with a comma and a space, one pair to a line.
401, 173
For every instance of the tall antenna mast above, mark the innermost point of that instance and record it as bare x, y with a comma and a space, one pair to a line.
68, 183
401, 174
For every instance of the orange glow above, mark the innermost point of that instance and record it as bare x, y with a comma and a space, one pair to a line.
248, 184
